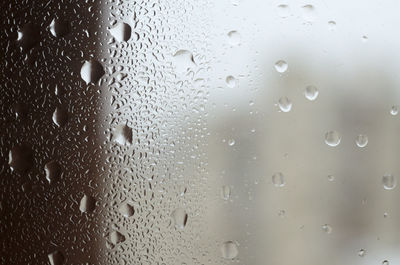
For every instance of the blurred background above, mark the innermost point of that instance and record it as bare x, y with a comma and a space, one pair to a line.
199, 132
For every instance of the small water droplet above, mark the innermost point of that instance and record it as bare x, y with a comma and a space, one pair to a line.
311, 93
59, 28
389, 181
327, 228
231, 142
332, 138
234, 38
121, 32
385, 262
331, 177
331, 25
225, 192
20, 158
281, 66
183, 60
285, 105
87, 204
230, 81
126, 210
53, 171
309, 13
116, 237
123, 134
394, 110
180, 217
60, 116
364, 38
278, 179
283, 11
92, 71
282, 213
362, 252
56, 258
229, 250
362, 140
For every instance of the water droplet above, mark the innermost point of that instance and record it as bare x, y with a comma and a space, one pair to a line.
21, 111
231, 142
362, 252
385, 262
389, 181
229, 250
362, 140
278, 179
332, 25
331, 177
308, 13
385, 215
327, 228
285, 105
116, 237
56, 258
20, 158
60, 116
180, 217
87, 204
126, 210
230, 81
183, 60
282, 213
234, 38
311, 93
394, 110
28, 36
283, 11
92, 71
225, 192
53, 171
364, 38
121, 32
59, 28
281, 66
123, 134
332, 138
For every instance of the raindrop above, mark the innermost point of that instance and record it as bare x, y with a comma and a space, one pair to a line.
331, 177
116, 237
53, 171
92, 71
362, 252
180, 217
59, 28
332, 25
183, 60
385, 262
283, 11
87, 204
28, 36
281, 66
225, 192
327, 228
362, 140
332, 138
121, 32
56, 258
234, 38
394, 110
20, 158
308, 13
231, 142
126, 210
230, 81
60, 116
229, 250
123, 134
278, 179
311, 93
285, 105
20, 110
389, 181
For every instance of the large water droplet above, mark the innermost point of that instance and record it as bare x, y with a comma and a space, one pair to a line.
121, 32
123, 134
389, 181
308, 13
385, 262
394, 110
229, 250
53, 171
28, 36
87, 204
332, 138
126, 210
59, 28
278, 179
60, 116
92, 71
362, 140
20, 158
331, 25
56, 258
281, 66
180, 217
230, 81
311, 93
183, 60
116, 237
234, 38
283, 11
285, 105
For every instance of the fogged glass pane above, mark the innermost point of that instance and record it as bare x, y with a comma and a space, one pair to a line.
199, 132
